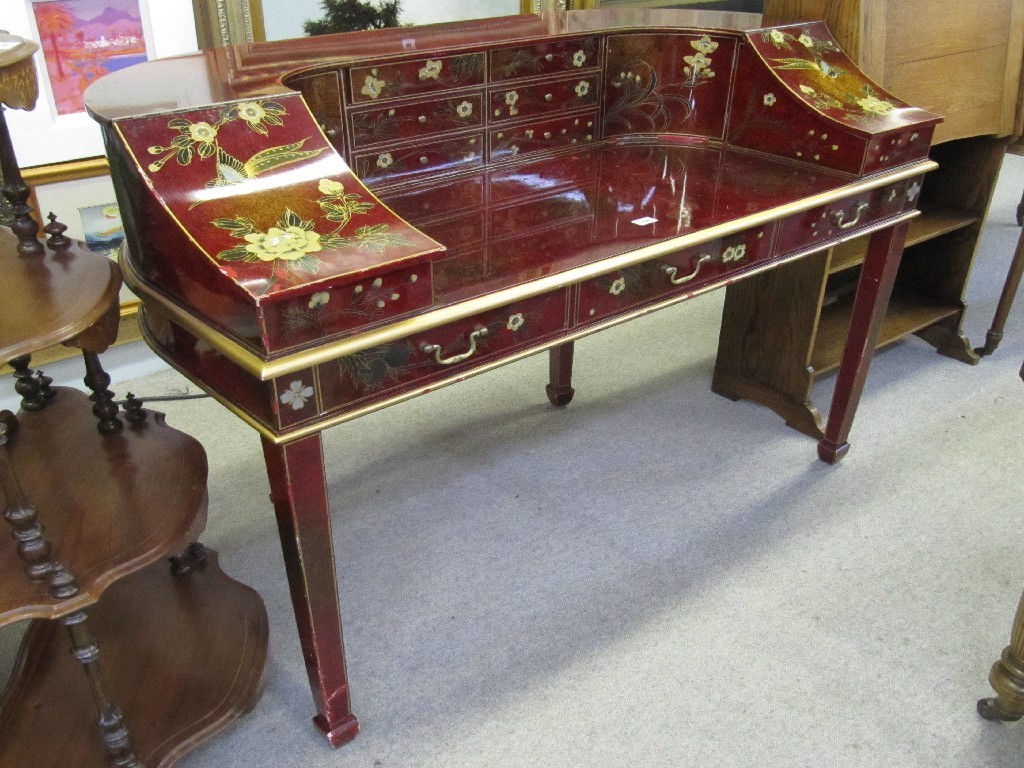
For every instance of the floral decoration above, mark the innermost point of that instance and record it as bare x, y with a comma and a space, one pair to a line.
769, 100
293, 242
431, 70
618, 286
297, 395
834, 89
579, 58
374, 86
516, 322
203, 139
582, 88
465, 109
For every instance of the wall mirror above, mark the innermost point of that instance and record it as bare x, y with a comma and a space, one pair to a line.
226, 22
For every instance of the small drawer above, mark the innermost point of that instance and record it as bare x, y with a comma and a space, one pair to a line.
432, 201
412, 121
438, 353
677, 273
543, 58
845, 217
400, 163
541, 136
897, 149
457, 232
558, 207
520, 101
331, 311
415, 76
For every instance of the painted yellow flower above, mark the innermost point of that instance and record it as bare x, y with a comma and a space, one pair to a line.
617, 287
777, 36
288, 244
511, 98
516, 321
430, 70
875, 105
330, 187
705, 45
579, 58
769, 99
698, 61
385, 160
251, 111
806, 40
465, 109
582, 88
204, 133
373, 87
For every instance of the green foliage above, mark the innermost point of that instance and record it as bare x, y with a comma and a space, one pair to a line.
354, 15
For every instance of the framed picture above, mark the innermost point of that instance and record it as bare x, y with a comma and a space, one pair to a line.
81, 195
80, 41
228, 22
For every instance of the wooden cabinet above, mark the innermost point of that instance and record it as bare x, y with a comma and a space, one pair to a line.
784, 329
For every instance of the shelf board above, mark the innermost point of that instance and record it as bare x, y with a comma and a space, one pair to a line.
934, 221
907, 313
108, 504
182, 656
59, 295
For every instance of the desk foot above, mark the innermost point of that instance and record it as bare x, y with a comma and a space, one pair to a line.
341, 732
990, 709
830, 452
559, 390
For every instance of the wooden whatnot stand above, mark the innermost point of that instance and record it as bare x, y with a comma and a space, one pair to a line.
96, 504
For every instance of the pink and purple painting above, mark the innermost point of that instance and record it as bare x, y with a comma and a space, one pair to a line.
82, 40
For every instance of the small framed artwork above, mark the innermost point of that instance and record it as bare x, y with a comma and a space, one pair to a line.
81, 195
80, 41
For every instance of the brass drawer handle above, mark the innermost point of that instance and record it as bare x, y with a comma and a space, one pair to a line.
857, 211
435, 349
671, 271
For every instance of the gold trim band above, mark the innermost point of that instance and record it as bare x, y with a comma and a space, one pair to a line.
270, 369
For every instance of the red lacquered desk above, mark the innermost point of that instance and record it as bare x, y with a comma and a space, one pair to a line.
322, 228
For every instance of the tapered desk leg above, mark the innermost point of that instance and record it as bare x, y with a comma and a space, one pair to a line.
559, 390
877, 275
995, 333
1007, 677
298, 490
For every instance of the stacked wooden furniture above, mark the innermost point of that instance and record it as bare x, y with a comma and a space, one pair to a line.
322, 228
96, 500
782, 331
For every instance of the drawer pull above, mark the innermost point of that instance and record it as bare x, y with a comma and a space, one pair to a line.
435, 349
671, 271
857, 211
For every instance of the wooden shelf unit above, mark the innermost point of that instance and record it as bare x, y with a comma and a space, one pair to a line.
801, 312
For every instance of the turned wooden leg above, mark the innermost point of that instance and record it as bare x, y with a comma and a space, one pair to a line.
560, 390
298, 490
877, 275
1007, 676
995, 333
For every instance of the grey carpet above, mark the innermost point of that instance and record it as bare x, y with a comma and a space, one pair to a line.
654, 576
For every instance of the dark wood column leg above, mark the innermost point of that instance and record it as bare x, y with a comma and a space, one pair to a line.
559, 389
995, 333
1007, 677
298, 490
877, 275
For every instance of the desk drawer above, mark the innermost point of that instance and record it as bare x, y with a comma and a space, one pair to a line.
440, 352
393, 164
543, 58
519, 101
677, 273
415, 76
542, 135
412, 121
844, 217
